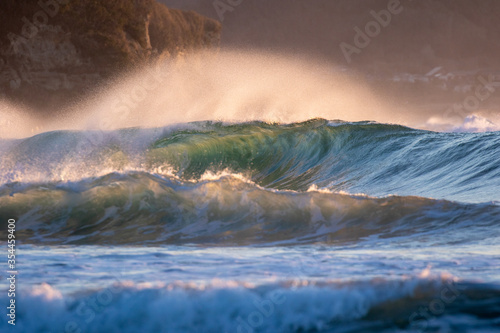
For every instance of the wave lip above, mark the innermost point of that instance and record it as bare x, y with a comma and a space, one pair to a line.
140, 208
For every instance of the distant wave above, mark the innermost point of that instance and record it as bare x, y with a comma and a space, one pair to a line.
416, 303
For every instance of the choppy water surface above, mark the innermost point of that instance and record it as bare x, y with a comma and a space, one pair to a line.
321, 226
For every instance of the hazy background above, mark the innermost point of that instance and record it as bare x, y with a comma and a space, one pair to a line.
279, 60
428, 59
456, 34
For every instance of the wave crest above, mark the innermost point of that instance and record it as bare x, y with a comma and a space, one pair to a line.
363, 157
140, 208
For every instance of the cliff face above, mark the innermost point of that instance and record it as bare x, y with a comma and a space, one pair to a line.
54, 51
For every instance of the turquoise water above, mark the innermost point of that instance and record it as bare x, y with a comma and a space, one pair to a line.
321, 226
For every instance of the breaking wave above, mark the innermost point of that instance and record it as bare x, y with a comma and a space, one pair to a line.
407, 305
251, 183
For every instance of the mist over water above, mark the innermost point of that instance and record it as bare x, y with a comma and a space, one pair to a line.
233, 86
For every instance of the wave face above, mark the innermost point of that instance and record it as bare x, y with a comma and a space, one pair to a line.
365, 157
371, 158
319, 226
251, 183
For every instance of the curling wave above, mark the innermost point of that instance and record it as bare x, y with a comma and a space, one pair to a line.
364, 157
250, 183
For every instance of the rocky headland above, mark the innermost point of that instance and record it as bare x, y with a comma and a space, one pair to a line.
55, 52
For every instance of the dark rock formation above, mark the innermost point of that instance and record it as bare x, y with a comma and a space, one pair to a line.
53, 52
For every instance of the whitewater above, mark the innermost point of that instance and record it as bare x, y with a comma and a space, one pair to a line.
220, 204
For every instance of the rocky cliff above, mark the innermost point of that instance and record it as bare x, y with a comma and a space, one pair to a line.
53, 52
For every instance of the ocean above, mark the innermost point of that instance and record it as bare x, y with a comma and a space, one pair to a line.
206, 226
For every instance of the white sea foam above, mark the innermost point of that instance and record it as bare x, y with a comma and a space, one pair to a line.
218, 306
